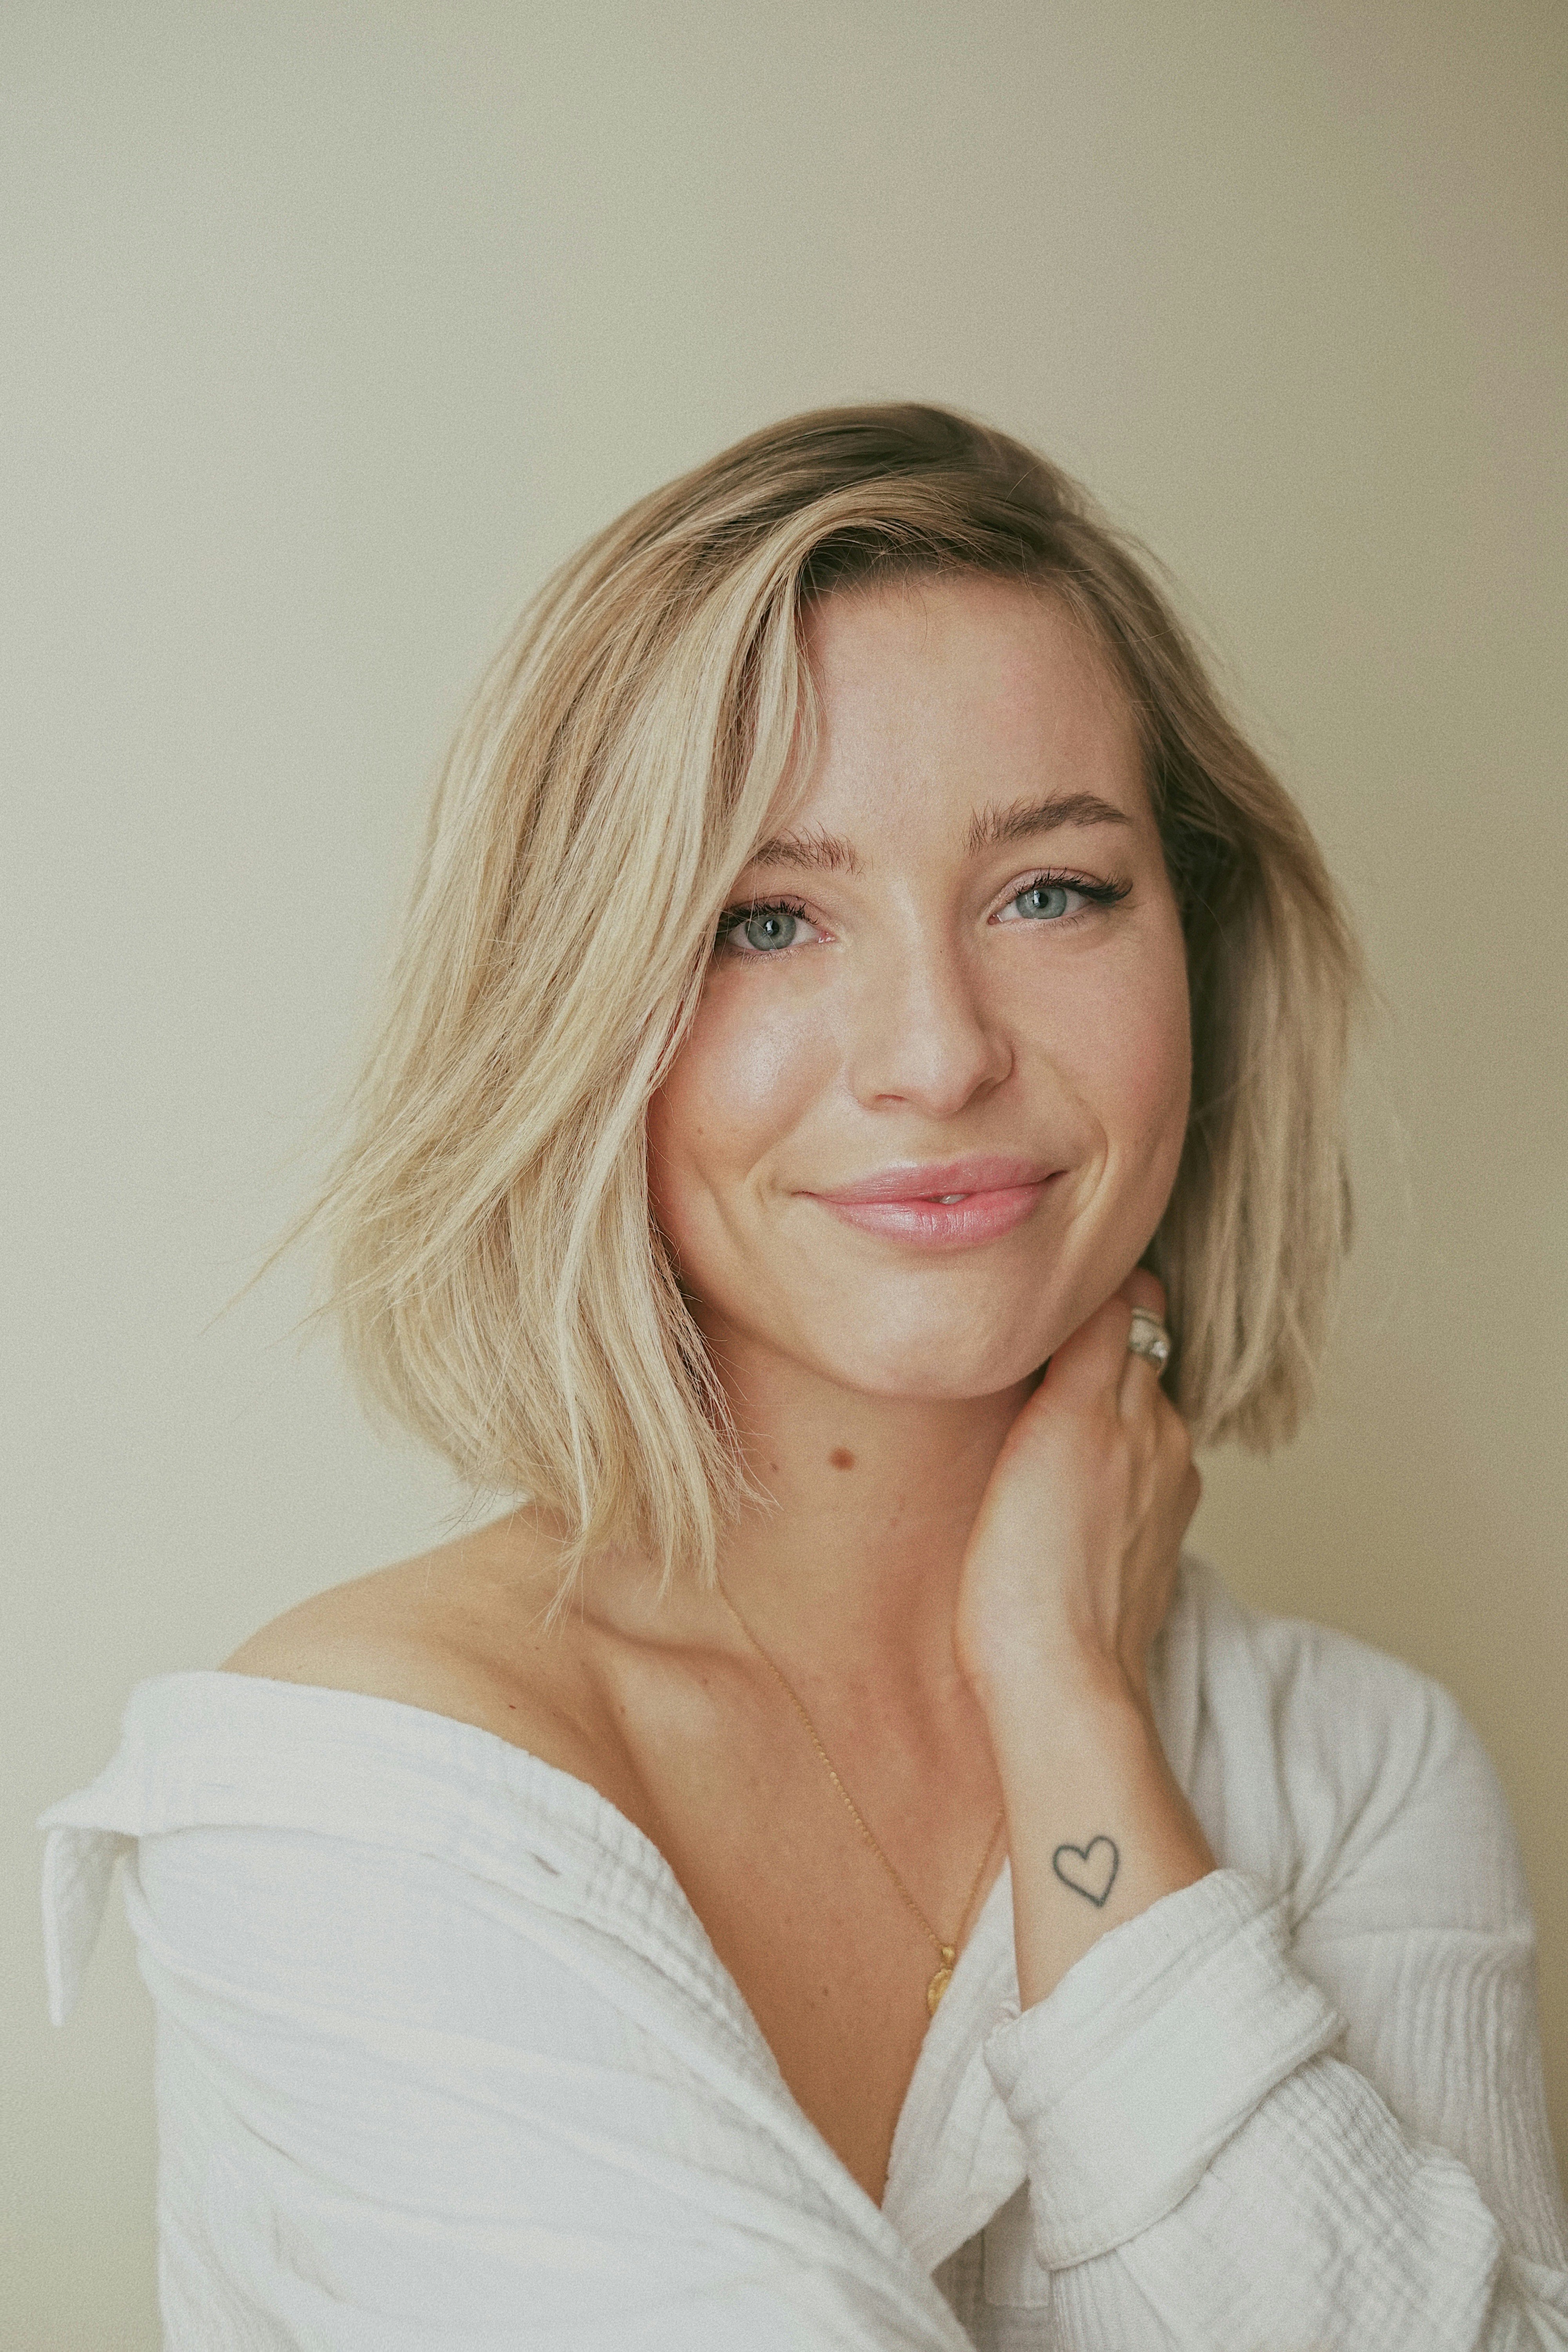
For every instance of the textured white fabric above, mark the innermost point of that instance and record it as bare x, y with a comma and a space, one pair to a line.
446, 2062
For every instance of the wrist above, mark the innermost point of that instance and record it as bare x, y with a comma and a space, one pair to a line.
1065, 1693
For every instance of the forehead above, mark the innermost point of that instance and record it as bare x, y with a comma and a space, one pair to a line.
936, 693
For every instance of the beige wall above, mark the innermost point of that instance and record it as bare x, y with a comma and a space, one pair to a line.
332, 326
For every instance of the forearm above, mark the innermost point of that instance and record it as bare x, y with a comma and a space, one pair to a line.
1216, 2145
1098, 1826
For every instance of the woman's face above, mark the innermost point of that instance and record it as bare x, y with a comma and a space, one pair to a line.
932, 1105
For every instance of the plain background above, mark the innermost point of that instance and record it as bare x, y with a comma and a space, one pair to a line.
330, 328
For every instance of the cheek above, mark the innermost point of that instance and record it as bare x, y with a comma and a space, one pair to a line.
1130, 1059
1158, 1065
751, 1069
1156, 1073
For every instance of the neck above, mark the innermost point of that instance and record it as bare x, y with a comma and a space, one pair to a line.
873, 1498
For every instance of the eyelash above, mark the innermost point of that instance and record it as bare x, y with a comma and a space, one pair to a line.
732, 918
1099, 894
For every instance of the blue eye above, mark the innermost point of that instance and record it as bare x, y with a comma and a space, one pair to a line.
770, 927
765, 926
1059, 899
1043, 899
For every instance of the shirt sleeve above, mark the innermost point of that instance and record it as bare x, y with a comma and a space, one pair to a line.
1312, 2119
398, 2112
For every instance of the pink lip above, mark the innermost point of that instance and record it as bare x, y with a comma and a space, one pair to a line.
996, 1193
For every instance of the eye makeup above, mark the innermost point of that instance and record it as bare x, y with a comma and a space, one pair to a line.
763, 926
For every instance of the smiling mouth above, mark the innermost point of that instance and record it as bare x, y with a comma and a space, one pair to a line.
953, 1207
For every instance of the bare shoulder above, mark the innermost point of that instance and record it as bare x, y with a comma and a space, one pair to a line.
459, 1631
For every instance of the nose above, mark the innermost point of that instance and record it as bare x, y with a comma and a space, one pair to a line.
924, 1035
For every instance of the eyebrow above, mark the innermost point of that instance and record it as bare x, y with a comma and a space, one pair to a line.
808, 853
992, 828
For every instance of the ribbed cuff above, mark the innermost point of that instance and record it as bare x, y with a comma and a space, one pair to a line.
1152, 2052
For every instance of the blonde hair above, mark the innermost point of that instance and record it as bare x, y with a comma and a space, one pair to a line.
497, 1279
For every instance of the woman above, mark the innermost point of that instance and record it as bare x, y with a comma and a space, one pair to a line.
824, 1871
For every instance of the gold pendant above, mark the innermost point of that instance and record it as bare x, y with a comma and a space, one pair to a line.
939, 1982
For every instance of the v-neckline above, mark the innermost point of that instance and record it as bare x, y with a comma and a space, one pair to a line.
586, 1810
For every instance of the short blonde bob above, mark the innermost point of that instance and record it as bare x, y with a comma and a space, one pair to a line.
494, 1270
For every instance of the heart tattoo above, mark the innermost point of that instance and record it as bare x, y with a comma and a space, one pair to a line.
1090, 1870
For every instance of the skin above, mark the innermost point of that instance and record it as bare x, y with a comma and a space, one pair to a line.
964, 1563
915, 1017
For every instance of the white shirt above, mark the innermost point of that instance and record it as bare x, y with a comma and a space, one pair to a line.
446, 2062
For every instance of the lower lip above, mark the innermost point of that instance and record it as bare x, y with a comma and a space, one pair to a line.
942, 1225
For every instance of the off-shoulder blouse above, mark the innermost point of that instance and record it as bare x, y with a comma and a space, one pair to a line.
446, 2062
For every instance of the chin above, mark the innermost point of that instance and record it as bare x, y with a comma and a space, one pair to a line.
939, 1365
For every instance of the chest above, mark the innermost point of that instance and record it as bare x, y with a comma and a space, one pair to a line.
835, 1979
804, 1914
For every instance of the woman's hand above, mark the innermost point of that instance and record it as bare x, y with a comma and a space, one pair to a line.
1066, 1579
1072, 1559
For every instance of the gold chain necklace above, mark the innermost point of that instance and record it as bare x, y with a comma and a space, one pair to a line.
947, 1954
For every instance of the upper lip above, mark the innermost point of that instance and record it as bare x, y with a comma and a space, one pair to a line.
985, 1172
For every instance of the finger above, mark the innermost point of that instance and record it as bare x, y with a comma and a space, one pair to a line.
1138, 1389
1146, 1290
1179, 1488
1140, 1382
1192, 1492
1087, 1368
1186, 1484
